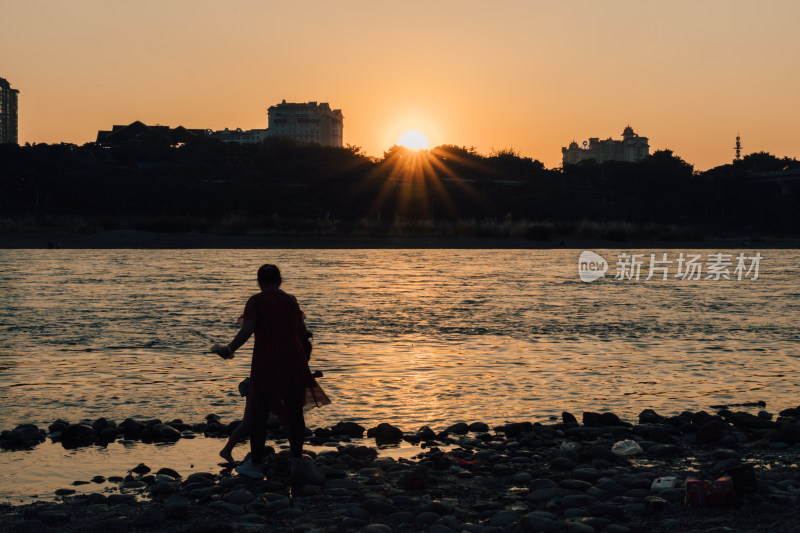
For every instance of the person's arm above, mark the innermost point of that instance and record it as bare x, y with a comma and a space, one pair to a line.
227, 351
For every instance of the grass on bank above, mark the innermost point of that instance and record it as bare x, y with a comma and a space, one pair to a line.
240, 224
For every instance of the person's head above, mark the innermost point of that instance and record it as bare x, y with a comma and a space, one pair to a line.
269, 276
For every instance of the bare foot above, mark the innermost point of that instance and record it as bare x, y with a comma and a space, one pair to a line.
226, 454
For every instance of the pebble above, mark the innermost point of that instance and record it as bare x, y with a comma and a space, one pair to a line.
379, 506
441, 528
347, 484
29, 526
240, 497
564, 468
116, 525
252, 519
577, 500
163, 488
548, 494
176, 507
426, 518
575, 484
580, 527
353, 523
141, 468
96, 498
502, 470
289, 513
401, 517
504, 518
376, 528
535, 523
121, 499
227, 507
563, 463
149, 518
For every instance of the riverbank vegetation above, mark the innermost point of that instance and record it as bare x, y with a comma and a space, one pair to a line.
282, 187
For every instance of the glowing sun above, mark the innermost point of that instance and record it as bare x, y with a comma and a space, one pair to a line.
414, 139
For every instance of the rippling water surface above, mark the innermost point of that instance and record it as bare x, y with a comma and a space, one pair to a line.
410, 337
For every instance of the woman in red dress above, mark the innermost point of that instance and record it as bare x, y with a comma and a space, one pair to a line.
280, 380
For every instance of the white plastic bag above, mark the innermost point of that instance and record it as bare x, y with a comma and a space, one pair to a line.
626, 447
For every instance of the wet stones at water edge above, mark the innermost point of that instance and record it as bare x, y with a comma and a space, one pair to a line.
521, 477
701, 426
23, 437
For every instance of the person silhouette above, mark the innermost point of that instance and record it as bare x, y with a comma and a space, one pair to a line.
280, 379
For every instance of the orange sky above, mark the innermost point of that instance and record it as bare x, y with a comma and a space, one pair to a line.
528, 75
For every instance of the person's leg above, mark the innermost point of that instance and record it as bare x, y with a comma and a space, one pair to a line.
237, 435
296, 428
259, 414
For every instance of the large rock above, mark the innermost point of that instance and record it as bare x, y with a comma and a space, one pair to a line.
386, 433
789, 433
478, 427
514, 428
711, 430
648, 416
426, 433
76, 435
24, 436
305, 472
165, 432
348, 428
131, 428
459, 428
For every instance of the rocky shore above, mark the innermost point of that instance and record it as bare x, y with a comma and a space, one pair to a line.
596, 474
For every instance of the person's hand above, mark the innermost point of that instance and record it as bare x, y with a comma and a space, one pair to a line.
222, 350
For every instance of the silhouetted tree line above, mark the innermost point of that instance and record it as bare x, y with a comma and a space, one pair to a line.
279, 178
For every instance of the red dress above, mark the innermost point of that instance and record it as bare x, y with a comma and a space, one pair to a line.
279, 371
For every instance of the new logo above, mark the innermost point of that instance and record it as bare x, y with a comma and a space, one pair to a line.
591, 266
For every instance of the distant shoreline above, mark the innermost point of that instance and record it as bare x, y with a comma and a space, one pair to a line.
131, 239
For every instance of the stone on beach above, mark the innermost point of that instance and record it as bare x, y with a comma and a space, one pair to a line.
165, 432
523, 477
386, 433
350, 429
76, 435
22, 437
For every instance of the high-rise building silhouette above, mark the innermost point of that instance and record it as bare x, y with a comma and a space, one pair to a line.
8, 113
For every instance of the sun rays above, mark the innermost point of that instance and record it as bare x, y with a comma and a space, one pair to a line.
419, 183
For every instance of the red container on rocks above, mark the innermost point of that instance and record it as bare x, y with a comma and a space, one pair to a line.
706, 493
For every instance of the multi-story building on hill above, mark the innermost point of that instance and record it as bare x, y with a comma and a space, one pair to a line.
310, 122
8, 113
631, 148
239, 136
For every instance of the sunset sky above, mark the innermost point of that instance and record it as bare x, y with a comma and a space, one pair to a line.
527, 75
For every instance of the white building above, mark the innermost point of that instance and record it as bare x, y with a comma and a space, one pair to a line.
309, 123
631, 148
239, 136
